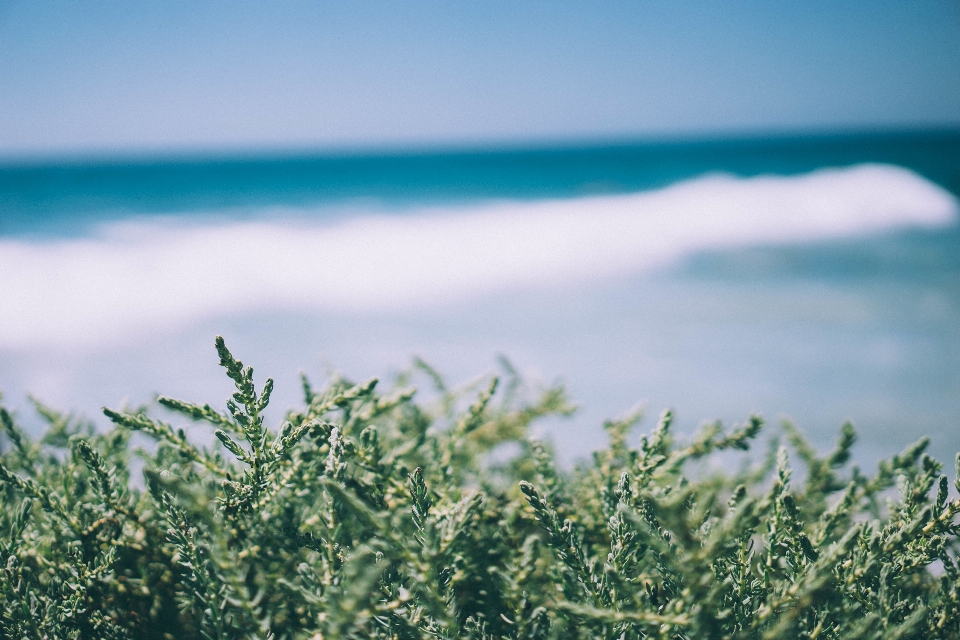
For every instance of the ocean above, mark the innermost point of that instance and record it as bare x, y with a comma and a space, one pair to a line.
815, 278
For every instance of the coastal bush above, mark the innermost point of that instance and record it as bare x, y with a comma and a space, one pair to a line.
372, 515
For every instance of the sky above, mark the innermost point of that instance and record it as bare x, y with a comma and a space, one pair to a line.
103, 76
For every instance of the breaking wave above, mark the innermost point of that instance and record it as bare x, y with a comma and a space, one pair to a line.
133, 277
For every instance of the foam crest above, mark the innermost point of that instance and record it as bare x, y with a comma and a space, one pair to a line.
133, 278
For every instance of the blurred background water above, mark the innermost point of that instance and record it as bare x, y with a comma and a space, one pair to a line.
46, 198
754, 231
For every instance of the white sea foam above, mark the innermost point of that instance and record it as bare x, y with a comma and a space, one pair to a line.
137, 277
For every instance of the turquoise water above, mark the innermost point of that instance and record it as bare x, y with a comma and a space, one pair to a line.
865, 326
67, 197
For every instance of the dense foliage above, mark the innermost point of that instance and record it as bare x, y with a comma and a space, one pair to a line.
373, 516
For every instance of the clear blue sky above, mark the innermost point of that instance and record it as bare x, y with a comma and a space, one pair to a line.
92, 76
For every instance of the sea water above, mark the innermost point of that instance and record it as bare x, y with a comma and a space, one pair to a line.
816, 278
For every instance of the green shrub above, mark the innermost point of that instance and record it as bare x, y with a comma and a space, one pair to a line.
374, 516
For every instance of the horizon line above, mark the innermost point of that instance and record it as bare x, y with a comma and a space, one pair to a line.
271, 153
